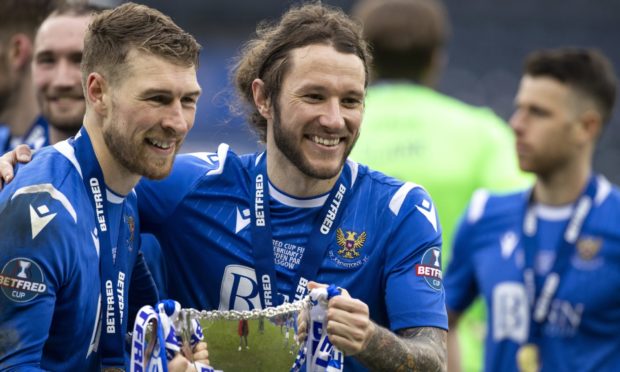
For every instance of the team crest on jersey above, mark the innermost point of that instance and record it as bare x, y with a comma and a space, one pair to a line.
350, 244
588, 247
22, 280
430, 268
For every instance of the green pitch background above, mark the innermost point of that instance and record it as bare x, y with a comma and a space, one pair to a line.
268, 351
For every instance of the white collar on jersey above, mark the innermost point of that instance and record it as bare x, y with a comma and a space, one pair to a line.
313, 202
553, 212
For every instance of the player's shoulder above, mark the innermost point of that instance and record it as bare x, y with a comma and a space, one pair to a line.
35, 213
396, 196
607, 203
48, 165
49, 176
46, 190
487, 205
606, 193
223, 162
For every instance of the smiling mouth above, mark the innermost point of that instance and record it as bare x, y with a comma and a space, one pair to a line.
59, 98
164, 145
325, 141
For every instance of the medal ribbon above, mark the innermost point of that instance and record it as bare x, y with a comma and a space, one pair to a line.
168, 341
319, 354
540, 303
112, 266
320, 236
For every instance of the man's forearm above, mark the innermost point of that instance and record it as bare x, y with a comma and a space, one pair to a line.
413, 349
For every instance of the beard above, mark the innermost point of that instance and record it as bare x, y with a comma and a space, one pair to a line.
69, 123
286, 142
132, 154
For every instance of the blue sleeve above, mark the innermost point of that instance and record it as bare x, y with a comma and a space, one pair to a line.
36, 257
157, 200
461, 285
414, 291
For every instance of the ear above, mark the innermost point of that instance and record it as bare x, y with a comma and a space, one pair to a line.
97, 93
20, 51
260, 100
591, 124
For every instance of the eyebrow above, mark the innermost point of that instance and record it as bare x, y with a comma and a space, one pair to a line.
155, 91
321, 88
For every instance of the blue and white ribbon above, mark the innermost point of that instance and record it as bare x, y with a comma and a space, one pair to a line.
168, 341
319, 354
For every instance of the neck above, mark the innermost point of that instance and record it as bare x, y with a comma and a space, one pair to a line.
288, 178
117, 177
23, 110
562, 187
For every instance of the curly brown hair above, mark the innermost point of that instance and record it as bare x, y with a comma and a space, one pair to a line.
267, 55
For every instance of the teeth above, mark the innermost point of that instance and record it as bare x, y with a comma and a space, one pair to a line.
326, 141
160, 144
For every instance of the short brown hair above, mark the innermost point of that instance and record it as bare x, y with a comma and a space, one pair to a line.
113, 33
403, 34
586, 70
267, 56
23, 16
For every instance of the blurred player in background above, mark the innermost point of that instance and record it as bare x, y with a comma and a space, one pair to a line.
19, 115
56, 75
414, 133
546, 260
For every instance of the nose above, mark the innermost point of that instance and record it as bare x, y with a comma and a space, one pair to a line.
67, 75
517, 120
331, 114
176, 120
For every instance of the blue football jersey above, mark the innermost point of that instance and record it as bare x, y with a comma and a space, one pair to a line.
385, 251
582, 329
51, 303
36, 137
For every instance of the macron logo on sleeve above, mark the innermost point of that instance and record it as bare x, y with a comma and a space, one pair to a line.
243, 219
428, 210
39, 218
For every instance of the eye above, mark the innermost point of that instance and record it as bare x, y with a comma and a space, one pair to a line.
45, 59
188, 101
537, 111
351, 102
160, 99
313, 97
